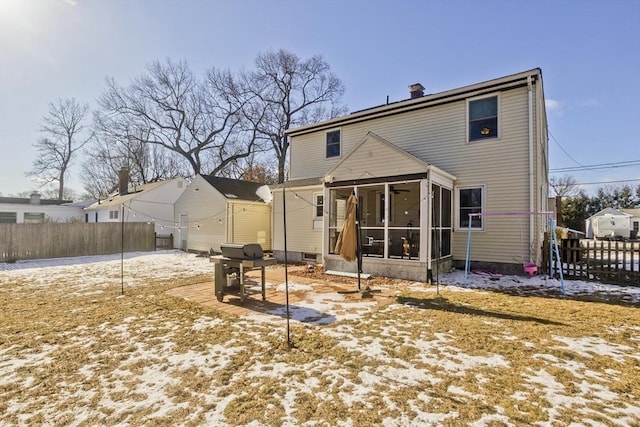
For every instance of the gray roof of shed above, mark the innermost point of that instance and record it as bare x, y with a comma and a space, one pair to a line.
235, 188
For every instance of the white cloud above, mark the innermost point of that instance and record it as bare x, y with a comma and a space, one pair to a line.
589, 103
553, 106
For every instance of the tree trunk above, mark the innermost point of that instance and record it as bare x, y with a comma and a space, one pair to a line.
281, 167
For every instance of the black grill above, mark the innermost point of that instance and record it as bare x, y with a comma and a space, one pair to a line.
242, 250
236, 259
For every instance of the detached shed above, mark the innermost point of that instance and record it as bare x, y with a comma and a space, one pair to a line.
610, 224
215, 210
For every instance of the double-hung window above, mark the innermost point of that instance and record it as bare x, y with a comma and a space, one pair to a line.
113, 214
319, 205
333, 143
483, 118
470, 201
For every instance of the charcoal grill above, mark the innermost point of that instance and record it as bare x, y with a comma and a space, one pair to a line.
237, 259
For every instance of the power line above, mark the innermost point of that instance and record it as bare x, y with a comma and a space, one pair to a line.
598, 166
563, 150
608, 182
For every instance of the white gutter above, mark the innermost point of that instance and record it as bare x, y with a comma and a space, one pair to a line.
428, 212
531, 147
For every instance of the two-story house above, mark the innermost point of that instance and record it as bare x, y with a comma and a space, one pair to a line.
419, 167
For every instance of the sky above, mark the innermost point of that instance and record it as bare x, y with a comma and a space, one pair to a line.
588, 50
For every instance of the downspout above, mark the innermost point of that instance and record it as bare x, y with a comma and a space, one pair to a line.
531, 147
429, 220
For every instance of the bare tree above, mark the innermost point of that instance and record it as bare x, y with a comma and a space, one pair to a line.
563, 186
199, 122
288, 92
63, 130
258, 167
114, 149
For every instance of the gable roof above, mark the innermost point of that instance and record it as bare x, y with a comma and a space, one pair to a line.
632, 212
235, 188
389, 160
610, 211
116, 199
502, 83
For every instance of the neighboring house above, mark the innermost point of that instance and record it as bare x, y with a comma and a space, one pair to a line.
613, 224
151, 202
419, 167
35, 209
217, 210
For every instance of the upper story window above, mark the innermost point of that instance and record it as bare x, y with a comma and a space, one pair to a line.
333, 143
483, 118
470, 201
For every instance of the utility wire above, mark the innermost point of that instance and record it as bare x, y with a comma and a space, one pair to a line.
563, 150
608, 182
598, 166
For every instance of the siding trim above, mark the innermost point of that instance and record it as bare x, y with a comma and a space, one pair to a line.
377, 180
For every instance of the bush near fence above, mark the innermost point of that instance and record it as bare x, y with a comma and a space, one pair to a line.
53, 240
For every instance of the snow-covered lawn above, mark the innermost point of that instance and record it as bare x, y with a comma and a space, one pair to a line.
487, 350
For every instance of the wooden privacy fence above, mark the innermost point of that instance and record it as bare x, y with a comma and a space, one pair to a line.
603, 261
52, 240
164, 241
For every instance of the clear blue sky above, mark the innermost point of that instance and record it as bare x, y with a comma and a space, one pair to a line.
589, 53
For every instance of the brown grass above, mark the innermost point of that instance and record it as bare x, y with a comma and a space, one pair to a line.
453, 359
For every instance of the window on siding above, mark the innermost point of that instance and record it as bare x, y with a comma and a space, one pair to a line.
470, 200
8, 217
319, 205
33, 217
113, 214
333, 143
483, 118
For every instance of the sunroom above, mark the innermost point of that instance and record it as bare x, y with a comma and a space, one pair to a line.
404, 208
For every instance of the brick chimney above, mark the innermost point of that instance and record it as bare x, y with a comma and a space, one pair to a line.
35, 198
123, 181
416, 90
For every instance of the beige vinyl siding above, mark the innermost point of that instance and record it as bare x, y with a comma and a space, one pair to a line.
301, 234
376, 158
250, 223
438, 136
206, 209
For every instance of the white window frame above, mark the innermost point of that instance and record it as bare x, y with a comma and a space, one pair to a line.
339, 144
114, 214
476, 98
315, 205
483, 203
7, 214
33, 217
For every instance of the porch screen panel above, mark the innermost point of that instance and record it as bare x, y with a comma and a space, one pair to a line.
337, 211
374, 217
441, 222
404, 224
389, 219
